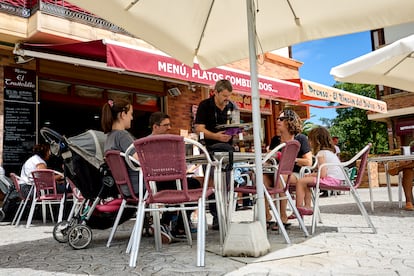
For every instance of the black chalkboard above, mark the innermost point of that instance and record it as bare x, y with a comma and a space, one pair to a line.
19, 118
19, 131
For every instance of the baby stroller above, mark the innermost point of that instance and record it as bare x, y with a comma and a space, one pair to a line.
84, 166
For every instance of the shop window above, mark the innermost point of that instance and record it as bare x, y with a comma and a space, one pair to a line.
115, 94
54, 87
146, 100
88, 92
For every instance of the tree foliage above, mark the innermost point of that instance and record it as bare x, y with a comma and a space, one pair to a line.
352, 126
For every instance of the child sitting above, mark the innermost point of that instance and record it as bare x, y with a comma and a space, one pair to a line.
324, 150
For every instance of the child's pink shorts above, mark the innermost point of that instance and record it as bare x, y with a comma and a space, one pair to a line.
329, 181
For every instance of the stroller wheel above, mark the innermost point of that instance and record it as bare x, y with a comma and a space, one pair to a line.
60, 231
80, 236
2, 215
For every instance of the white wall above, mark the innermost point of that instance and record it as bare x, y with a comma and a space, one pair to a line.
284, 52
397, 32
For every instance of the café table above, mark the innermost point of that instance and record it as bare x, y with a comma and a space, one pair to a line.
385, 160
222, 159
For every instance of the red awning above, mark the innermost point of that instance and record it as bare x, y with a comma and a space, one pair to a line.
141, 60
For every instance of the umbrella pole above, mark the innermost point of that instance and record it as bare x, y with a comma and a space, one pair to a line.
251, 25
255, 243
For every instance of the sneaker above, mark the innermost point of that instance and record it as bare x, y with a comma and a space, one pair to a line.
165, 237
165, 231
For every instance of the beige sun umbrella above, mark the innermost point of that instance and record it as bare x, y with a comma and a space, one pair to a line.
219, 32
391, 65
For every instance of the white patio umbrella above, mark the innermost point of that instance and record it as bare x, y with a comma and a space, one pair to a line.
220, 32
391, 65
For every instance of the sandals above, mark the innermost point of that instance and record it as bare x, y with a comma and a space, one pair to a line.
275, 227
409, 207
292, 216
269, 224
305, 211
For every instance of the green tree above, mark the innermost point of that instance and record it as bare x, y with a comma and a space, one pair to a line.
352, 126
307, 125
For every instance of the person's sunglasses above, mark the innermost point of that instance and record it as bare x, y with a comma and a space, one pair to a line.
165, 125
282, 118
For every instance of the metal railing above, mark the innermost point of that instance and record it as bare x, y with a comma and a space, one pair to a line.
59, 9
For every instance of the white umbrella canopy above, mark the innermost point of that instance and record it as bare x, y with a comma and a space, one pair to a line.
216, 31
391, 65
220, 32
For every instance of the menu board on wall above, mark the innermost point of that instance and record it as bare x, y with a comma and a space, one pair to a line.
19, 117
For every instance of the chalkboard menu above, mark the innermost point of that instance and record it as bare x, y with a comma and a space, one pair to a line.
19, 117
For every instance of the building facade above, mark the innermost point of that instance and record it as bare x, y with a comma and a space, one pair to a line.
400, 115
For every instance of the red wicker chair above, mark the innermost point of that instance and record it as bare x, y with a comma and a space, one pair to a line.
23, 199
282, 170
45, 192
348, 185
163, 158
119, 171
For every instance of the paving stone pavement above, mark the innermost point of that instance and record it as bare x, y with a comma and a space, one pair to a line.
342, 245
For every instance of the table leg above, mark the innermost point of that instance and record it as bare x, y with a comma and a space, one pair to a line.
388, 178
370, 187
219, 201
400, 176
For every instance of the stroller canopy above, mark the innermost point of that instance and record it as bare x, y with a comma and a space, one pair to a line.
89, 145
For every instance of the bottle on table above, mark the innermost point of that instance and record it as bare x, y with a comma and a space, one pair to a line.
242, 146
236, 147
235, 116
228, 122
201, 139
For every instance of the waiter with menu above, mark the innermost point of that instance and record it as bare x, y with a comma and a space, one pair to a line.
215, 111
212, 112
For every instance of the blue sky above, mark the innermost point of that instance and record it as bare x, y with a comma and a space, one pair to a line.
319, 56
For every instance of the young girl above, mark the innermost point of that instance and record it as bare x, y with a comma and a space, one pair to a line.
324, 150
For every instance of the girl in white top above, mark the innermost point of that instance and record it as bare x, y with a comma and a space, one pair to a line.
324, 149
41, 153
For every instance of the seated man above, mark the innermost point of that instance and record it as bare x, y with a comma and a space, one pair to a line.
407, 168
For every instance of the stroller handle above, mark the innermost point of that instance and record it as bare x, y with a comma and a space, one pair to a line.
51, 135
56, 141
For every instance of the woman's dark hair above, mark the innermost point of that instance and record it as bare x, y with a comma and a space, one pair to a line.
110, 111
42, 150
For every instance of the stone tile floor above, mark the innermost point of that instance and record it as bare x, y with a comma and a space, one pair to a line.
342, 245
